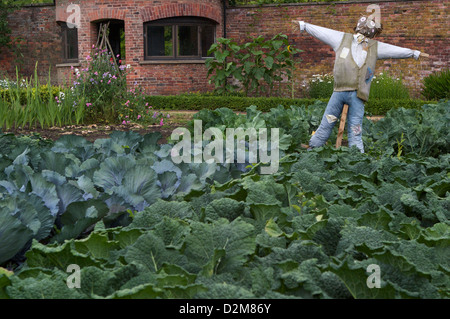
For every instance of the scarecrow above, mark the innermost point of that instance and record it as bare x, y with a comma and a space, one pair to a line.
356, 56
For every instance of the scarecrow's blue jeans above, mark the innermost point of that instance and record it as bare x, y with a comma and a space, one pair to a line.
332, 115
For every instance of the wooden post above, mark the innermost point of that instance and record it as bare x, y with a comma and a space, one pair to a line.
342, 126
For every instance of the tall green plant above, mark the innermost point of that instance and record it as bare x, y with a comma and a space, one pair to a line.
267, 61
32, 104
220, 68
259, 64
99, 86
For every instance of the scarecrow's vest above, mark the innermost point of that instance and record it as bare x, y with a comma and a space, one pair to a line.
348, 76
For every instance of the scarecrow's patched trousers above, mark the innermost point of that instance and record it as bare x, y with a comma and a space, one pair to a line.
332, 115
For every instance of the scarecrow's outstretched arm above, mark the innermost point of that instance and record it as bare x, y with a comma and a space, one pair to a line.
329, 36
389, 51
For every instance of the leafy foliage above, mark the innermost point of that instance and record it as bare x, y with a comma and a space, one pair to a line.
383, 87
257, 64
311, 230
437, 85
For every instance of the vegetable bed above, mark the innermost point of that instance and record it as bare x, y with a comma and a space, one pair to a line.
139, 226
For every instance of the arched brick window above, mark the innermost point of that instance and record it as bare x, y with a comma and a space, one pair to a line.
179, 38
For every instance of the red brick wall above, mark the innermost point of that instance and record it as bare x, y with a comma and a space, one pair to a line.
163, 78
417, 24
421, 25
39, 40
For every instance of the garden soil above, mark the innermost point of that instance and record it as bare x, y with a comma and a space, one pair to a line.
95, 131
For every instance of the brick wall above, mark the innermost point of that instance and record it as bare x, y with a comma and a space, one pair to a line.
416, 24
420, 25
37, 25
156, 78
39, 40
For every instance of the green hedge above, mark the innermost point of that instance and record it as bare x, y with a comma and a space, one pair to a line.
198, 102
23, 92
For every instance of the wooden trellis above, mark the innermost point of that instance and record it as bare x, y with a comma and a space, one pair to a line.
103, 41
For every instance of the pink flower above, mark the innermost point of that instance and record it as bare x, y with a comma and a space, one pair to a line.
88, 104
138, 117
161, 123
124, 122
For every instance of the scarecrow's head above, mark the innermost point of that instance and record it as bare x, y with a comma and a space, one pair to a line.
368, 28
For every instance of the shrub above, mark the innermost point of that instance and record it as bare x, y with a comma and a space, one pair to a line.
137, 110
44, 92
100, 92
260, 64
321, 86
386, 87
383, 87
437, 85
99, 87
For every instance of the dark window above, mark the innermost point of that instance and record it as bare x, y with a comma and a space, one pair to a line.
70, 42
178, 38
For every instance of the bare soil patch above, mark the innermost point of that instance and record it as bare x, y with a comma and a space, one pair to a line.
93, 132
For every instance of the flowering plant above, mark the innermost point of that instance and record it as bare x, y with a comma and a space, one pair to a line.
136, 110
99, 86
100, 92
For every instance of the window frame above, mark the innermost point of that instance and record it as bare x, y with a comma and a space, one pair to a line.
65, 44
175, 23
